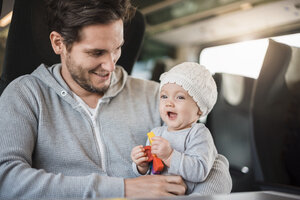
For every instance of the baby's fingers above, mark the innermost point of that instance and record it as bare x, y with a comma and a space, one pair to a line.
137, 150
141, 160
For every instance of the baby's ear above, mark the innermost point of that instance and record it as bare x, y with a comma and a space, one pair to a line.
199, 112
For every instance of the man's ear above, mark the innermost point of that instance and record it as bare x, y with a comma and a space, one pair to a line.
56, 42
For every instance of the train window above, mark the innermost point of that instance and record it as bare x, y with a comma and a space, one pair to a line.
243, 58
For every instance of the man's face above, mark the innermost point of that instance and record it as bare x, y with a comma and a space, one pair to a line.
88, 65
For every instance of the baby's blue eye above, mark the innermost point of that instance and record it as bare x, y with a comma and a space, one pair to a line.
163, 96
180, 97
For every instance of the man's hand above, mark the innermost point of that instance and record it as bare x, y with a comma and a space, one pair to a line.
161, 148
154, 186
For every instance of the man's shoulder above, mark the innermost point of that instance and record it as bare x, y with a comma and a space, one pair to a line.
28, 80
24, 81
24, 87
143, 93
143, 82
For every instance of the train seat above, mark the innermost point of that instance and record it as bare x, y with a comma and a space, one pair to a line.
275, 90
292, 150
229, 123
1, 6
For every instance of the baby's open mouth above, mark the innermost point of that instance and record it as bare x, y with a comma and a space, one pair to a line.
172, 115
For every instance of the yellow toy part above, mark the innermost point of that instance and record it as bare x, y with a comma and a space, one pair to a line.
150, 135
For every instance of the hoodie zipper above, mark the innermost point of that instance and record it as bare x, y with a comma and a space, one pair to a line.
95, 128
99, 141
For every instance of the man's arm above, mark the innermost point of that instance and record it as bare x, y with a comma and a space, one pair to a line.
19, 123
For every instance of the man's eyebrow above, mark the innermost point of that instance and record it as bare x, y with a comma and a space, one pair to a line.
95, 50
101, 50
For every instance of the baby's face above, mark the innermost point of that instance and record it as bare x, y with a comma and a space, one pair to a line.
177, 108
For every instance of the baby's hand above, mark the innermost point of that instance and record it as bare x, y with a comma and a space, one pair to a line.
161, 148
139, 157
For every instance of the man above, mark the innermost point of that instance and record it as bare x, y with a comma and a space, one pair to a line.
66, 131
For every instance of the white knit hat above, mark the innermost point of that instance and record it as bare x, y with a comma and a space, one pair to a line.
197, 81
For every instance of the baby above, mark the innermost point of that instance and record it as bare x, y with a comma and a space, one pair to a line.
186, 147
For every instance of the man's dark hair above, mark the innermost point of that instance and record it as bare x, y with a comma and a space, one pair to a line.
68, 17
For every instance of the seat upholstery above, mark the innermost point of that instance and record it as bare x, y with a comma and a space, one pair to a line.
0, 7
292, 150
269, 111
28, 43
229, 123
159, 68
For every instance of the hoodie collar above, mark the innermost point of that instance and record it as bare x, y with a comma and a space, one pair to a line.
118, 80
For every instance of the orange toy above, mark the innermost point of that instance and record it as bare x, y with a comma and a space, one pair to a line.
157, 164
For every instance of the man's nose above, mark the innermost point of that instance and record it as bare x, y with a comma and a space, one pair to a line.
109, 63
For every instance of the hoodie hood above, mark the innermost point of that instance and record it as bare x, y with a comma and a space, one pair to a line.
51, 76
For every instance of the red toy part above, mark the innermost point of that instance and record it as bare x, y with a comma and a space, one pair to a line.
158, 165
148, 152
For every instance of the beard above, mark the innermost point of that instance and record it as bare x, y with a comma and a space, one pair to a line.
85, 84
81, 77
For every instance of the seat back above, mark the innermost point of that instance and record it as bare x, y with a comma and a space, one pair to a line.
159, 68
292, 119
269, 110
0, 7
229, 123
28, 43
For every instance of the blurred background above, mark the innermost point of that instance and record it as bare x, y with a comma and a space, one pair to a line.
201, 30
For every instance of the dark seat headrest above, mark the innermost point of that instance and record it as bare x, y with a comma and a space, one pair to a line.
292, 76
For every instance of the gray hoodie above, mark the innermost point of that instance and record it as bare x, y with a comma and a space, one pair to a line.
48, 146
